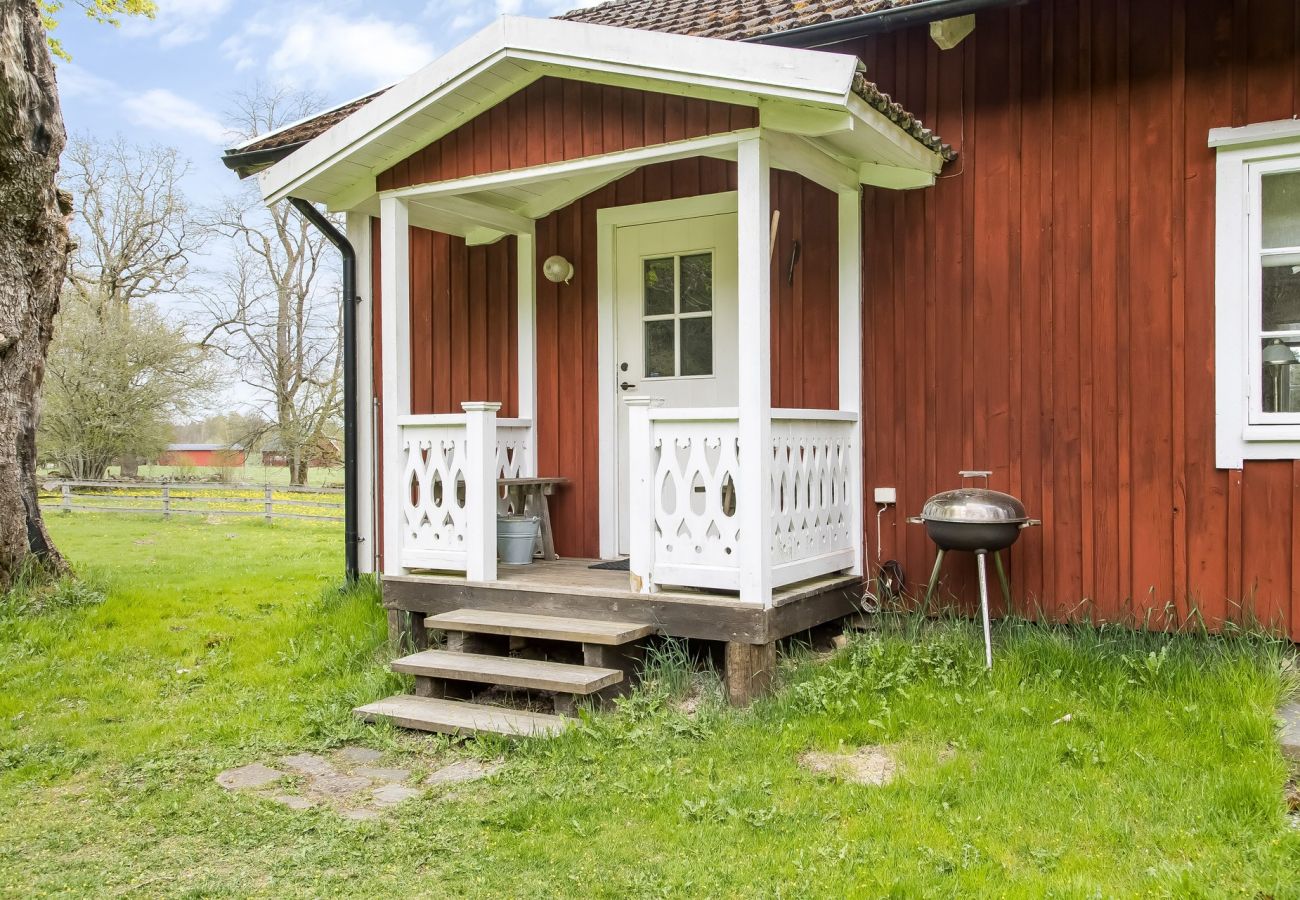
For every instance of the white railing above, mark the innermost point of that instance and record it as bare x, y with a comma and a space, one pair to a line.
448, 486
515, 457
690, 514
815, 493
688, 494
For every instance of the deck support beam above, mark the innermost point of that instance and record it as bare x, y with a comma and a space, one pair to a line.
753, 491
750, 669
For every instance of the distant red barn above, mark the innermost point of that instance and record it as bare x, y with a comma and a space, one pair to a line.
213, 455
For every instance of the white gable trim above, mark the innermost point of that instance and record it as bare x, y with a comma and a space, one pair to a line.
514, 51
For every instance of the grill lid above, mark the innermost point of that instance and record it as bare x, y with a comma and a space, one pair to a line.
973, 505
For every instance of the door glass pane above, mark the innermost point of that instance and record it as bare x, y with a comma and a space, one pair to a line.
1281, 293
659, 355
697, 283
1281, 202
697, 345
1281, 375
659, 287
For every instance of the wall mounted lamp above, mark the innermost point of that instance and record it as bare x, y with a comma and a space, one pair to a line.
557, 269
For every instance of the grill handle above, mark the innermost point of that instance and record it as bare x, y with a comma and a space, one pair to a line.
1030, 523
967, 474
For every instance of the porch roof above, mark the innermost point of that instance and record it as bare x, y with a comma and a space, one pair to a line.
822, 97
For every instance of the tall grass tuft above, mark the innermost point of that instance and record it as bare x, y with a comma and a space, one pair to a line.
36, 592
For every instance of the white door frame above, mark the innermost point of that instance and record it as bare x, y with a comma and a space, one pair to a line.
608, 221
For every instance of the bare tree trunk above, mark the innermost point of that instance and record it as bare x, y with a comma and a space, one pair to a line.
33, 260
298, 474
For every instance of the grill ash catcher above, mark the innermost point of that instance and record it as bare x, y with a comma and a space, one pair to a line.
979, 521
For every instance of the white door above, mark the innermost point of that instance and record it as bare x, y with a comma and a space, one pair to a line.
675, 322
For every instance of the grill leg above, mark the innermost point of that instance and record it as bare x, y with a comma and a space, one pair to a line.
984, 609
934, 579
1002, 577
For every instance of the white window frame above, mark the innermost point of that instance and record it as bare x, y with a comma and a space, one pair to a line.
1243, 430
676, 316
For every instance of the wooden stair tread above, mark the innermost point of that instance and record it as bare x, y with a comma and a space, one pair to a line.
508, 671
554, 628
456, 717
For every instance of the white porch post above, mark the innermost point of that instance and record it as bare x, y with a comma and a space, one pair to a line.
754, 491
640, 502
481, 490
850, 349
526, 261
395, 346
358, 230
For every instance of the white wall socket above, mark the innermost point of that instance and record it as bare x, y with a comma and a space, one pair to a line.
886, 495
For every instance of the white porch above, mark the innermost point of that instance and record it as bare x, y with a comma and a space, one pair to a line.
744, 500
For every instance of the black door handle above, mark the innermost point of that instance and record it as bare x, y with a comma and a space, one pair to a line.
626, 387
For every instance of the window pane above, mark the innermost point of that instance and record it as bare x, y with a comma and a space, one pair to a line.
1281, 202
1281, 376
659, 287
697, 346
659, 356
697, 283
1281, 294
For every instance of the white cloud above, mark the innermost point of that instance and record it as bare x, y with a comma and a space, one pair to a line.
76, 81
162, 110
179, 22
314, 49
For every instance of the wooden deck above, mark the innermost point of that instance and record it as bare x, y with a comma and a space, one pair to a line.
571, 587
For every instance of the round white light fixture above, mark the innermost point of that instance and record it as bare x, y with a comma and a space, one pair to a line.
557, 269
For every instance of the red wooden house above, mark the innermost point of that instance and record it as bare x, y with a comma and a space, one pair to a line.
218, 456
786, 293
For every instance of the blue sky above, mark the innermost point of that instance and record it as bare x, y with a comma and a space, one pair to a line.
170, 80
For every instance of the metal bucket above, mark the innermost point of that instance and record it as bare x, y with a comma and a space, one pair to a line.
516, 537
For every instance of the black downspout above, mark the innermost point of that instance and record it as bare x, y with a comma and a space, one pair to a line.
351, 529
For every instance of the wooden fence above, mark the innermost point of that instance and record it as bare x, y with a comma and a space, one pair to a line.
186, 498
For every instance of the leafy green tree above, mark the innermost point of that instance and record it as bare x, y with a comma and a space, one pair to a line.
116, 378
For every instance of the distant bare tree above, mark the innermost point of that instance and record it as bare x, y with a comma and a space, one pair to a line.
136, 232
274, 316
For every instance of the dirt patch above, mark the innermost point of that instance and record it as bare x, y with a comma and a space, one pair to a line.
866, 765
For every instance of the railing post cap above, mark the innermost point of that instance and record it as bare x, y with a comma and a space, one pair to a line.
479, 406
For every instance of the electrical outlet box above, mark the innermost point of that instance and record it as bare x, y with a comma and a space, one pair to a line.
887, 495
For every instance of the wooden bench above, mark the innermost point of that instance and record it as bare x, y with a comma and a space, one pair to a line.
528, 496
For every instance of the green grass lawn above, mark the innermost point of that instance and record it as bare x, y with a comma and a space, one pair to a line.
223, 644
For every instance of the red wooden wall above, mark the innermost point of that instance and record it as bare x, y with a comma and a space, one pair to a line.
1046, 311
555, 119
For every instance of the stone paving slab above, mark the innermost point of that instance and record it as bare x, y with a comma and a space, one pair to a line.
307, 764
393, 794
353, 781
392, 776
463, 771
1290, 735
358, 756
249, 777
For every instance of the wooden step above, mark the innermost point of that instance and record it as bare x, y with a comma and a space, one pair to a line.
508, 671
551, 628
455, 717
